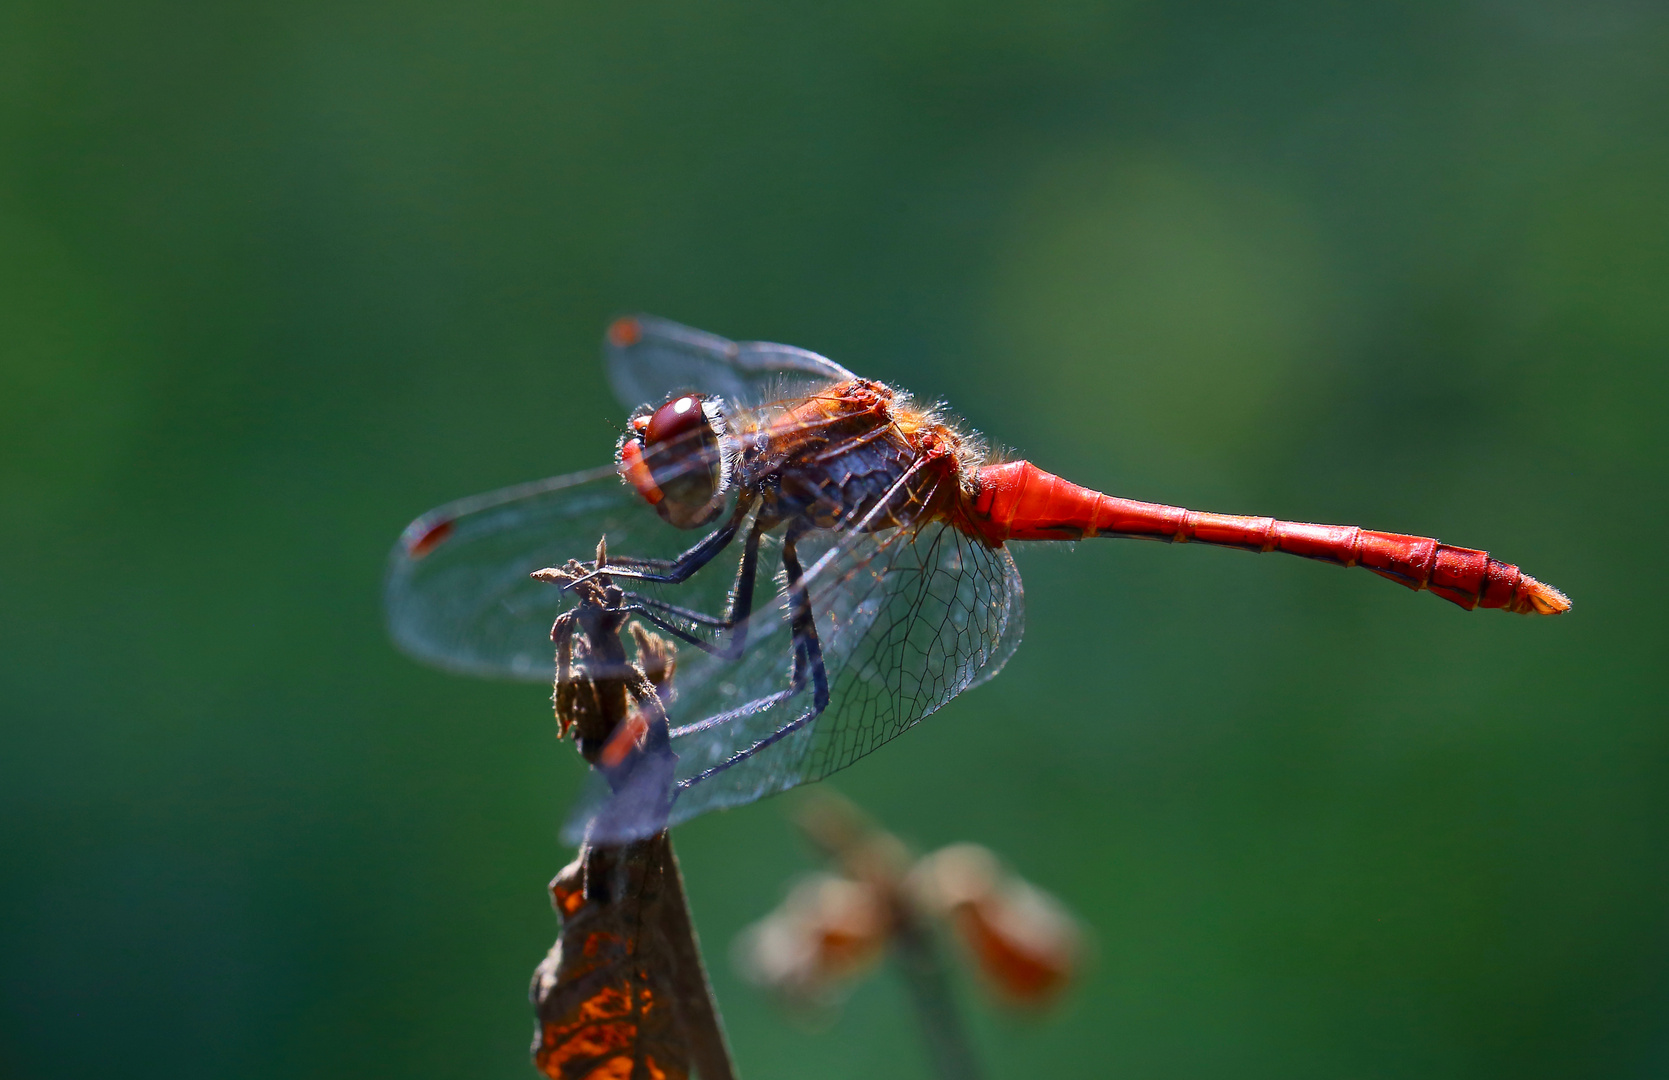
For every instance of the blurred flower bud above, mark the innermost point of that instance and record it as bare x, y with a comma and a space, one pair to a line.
1023, 941
827, 930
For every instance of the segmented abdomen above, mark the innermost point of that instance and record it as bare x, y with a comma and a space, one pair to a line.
1018, 501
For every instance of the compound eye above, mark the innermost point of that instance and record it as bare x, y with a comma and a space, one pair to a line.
675, 420
674, 460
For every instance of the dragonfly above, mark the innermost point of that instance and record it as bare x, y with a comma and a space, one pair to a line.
850, 571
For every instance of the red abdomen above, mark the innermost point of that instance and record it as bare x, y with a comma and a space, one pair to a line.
1018, 501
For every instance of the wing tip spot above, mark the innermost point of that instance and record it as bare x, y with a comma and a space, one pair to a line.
625, 332
429, 539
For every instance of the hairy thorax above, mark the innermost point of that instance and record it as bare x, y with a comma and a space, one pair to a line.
834, 457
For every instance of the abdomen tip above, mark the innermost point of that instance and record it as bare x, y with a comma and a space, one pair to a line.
1544, 599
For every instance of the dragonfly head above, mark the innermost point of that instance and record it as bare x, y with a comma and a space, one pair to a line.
674, 457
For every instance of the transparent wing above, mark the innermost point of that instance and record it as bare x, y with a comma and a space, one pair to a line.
907, 619
650, 359
458, 594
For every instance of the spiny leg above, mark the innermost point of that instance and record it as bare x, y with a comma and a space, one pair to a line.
808, 656
735, 618
808, 650
673, 571
796, 683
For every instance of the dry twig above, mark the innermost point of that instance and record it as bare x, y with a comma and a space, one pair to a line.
623, 992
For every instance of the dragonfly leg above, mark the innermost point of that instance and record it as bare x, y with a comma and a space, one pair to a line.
632, 601
673, 571
808, 651
734, 620
808, 659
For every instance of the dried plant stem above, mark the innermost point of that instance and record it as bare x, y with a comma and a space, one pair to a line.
925, 974
869, 854
632, 893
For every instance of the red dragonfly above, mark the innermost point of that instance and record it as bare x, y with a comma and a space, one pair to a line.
882, 525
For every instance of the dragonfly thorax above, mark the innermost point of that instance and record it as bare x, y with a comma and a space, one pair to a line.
837, 456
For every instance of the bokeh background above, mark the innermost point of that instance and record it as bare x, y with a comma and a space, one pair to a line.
277, 277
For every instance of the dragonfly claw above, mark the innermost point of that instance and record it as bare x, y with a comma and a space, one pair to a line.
585, 576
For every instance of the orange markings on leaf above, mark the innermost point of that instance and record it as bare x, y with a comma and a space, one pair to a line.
567, 901
604, 994
600, 1036
624, 738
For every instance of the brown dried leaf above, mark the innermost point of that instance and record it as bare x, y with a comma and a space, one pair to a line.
605, 996
590, 693
623, 994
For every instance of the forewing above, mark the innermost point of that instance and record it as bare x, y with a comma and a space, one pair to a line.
458, 593
907, 619
649, 359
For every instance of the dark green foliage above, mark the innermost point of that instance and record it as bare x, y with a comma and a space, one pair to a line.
276, 278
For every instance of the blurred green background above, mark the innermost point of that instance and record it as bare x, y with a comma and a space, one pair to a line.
277, 277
